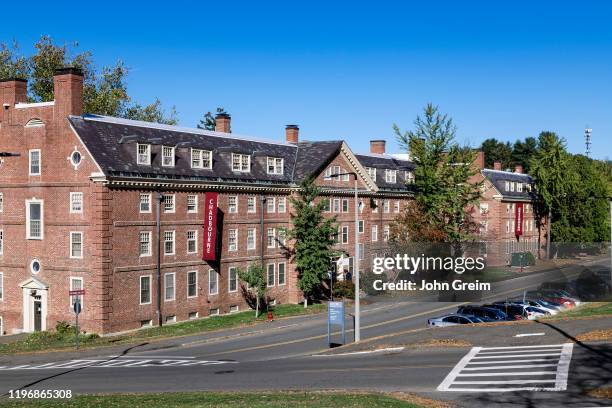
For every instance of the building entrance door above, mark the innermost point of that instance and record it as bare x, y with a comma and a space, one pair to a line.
37, 315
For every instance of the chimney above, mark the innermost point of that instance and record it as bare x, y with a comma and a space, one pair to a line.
377, 146
223, 123
68, 91
497, 165
480, 160
292, 134
12, 91
518, 168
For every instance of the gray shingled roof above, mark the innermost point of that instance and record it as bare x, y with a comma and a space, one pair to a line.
385, 161
499, 178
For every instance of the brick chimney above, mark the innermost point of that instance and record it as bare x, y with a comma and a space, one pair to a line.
377, 146
223, 123
497, 165
68, 92
518, 168
12, 91
292, 134
479, 162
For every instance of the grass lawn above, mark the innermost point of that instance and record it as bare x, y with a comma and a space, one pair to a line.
53, 340
586, 310
234, 400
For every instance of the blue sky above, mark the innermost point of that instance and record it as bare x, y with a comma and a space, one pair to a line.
351, 70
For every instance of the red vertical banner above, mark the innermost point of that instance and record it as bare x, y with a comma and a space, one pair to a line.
518, 219
210, 226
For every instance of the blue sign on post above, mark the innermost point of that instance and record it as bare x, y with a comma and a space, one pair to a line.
335, 316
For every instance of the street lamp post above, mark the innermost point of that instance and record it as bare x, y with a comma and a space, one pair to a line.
356, 258
609, 199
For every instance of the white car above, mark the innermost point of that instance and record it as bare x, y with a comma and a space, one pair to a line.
534, 312
452, 320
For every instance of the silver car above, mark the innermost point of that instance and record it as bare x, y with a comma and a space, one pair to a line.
452, 320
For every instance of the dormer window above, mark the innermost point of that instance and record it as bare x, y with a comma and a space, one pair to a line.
512, 186
201, 159
167, 156
144, 154
372, 173
241, 162
519, 187
409, 177
390, 176
275, 165
507, 186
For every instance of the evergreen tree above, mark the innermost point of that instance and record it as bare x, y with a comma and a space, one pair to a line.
494, 150
255, 278
314, 238
522, 152
209, 122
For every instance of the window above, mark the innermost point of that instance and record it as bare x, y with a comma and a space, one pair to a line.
145, 243
345, 234
251, 204
232, 278
507, 226
251, 243
75, 158
270, 204
281, 274
519, 187
34, 219
1, 287
167, 156
345, 205
192, 284
512, 186
371, 172
336, 205
76, 203
507, 186
275, 165
396, 207
361, 226
386, 206
360, 250
192, 203
170, 319
214, 311
374, 205
282, 234
232, 204
326, 205
282, 204
484, 226
145, 290
213, 282
76, 284
193, 315
145, 203
192, 242
1, 202
271, 238
271, 275
1, 242
507, 208
232, 240
386, 233
234, 308
484, 208
201, 159
409, 177
168, 242
374, 233
144, 154
169, 287
241, 162
390, 176
168, 200
34, 162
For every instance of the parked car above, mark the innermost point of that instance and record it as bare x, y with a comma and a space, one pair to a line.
540, 304
452, 320
551, 297
514, 312
485, 313
534, 312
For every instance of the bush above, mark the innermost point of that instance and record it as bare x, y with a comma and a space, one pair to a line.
62, 328
344, 289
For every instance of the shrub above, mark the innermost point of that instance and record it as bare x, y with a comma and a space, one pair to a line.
344, 289
62, 328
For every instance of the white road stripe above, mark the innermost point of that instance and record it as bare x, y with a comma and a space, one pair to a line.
520, 355
513, 361
509, 366
523, 347
355, 353
522, 351
117, 363
139, 362
529, 334
444, 385
563, 370
495, 374
505, 382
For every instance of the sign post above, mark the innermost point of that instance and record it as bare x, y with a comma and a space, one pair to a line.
76, 306
335, 316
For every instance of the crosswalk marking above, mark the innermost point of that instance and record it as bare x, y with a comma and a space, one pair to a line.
499, 364
122, 362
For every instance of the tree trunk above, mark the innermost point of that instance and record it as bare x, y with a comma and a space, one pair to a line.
257, 308
548, 222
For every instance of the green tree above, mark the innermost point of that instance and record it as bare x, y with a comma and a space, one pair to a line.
314, 237
255, 278
12, 64
209, 122
522, 152
494, 150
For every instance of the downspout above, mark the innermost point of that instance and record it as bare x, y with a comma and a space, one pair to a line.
158, 226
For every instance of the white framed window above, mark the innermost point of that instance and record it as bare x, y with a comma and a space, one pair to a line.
232, 239
213, 282
1, 242
145, 243
34, 219
1, 202
167, 156
76, 283
145, 203
271, 238
271, 275
251, 204
372, 173
232, 279
386, 233
201, 159
282, 278
192, 242
76, 203
169, 286
35, 162
282, 204
326, 205
409, 175
484, 226
232, 204
396, 207
169, 203
507, 186
390, 176
386, 206
76, 245
345, 235
192, 284
145, 290
241, 162
275, 165
512, 186
328, 173
374, 233
508, 208
345, 205
271, 204
507, 226
251, 241
144, 154
336, 205
519, 187
169, 242
282, 236
192, 203
1, 288
361, 226
484, 208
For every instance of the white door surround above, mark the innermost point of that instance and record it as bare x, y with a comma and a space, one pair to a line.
34, 290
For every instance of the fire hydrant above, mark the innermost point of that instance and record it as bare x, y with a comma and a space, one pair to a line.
270, 316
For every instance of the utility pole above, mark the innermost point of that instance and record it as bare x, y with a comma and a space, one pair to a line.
587, 140
159, 199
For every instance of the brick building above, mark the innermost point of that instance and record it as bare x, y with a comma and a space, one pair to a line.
79, 196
